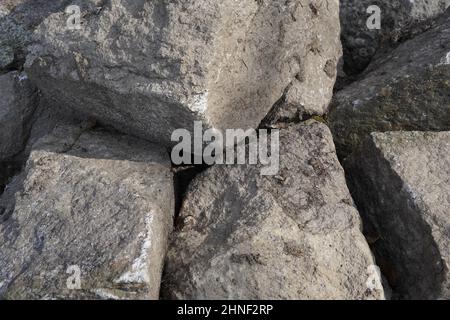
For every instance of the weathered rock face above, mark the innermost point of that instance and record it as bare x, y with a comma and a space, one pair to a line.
401, 183
18, 18
406, 90
149, 67
90, 204
293, 236
30, 13
361, 43
18, 100
13, 38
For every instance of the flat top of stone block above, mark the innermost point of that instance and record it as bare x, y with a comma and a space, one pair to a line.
76, 141
410, 146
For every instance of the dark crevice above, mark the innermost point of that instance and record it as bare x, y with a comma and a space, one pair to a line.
8, 169
274, 118
183, 175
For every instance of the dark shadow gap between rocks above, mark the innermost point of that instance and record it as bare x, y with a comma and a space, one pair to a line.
183, 175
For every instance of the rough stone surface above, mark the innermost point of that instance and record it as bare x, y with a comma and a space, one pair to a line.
408, 89
47, 118
30, 13
292, 236
13, 40
361, 44
149, 67
18, 18
90, 199
401, 183
28, 130
18, 100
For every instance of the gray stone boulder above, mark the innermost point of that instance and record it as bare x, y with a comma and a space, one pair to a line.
13, 37
89, 218
407, 89
295, 235
30, 13
149, 67
18, 18
401, 183
361, 44
18, 100
46, 119
13, 41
